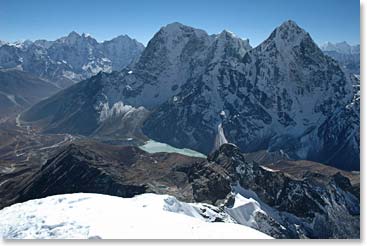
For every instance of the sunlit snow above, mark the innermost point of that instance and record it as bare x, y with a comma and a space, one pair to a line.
96, 216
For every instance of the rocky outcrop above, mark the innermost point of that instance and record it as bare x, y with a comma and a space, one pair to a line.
313, 201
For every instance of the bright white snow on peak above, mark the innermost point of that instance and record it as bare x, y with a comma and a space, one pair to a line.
86, 35
226, 32
227, 39
96, 216
17, 44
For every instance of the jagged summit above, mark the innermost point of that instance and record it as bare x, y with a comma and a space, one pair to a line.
286, 36
289, 28
70, 58
341, 47
74, 34
227, 150
177, 30
86, 35
227, 33
72, 37
290, 24
174, 25
122, 37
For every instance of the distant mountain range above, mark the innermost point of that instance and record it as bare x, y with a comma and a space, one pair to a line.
342, 48
198, 91
347, 55
69, 59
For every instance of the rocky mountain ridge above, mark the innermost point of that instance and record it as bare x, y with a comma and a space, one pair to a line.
70, 59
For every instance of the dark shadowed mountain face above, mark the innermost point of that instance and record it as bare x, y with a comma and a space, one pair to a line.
70, 59
20, 90
290, 207
198, 91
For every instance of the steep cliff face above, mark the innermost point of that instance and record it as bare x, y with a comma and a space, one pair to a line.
278, 96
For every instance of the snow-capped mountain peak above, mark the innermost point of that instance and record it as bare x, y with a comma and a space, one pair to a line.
120, 38
72, 37
341, 47
86, 35
227, 44
71, 58
172, 33
226, 32
287, 36
76, 39
74, 34
174, 26
272, 85
347, 55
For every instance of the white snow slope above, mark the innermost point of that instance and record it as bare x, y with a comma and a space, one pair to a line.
96, 216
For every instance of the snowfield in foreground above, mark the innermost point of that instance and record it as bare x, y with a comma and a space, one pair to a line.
96, 216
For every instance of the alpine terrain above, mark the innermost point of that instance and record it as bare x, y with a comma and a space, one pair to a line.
204, 90
196, 135
69, 59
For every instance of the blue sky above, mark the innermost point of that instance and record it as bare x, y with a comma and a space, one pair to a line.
325, 20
